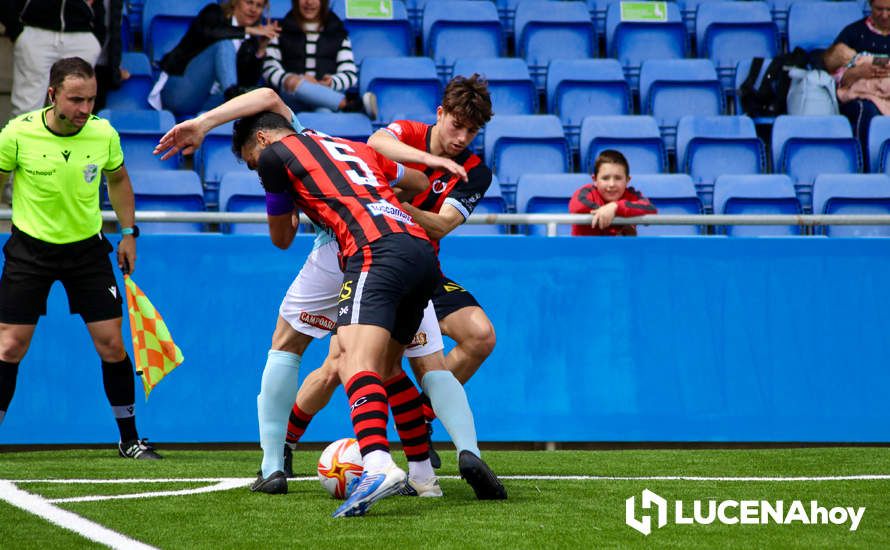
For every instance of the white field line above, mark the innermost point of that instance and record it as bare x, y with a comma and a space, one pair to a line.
41, 507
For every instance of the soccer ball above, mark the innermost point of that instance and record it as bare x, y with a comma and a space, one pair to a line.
338, 465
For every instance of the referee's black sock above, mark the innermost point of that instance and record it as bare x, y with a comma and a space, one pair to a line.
120, 388
8, 374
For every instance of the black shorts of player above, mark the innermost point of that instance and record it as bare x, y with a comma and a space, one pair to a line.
450, 297
388, 283
83, 267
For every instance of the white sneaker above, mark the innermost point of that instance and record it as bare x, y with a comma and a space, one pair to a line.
370, 489
369, 103
425, 489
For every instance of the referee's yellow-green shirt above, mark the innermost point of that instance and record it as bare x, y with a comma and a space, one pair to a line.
56, 192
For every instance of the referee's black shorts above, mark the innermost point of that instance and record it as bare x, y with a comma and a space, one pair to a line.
388, 284
32, 266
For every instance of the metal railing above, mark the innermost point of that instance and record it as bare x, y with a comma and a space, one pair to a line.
552, 221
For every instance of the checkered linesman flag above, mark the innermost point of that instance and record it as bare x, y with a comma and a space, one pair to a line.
156, 353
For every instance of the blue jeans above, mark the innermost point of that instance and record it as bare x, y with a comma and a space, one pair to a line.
312, 97
190, 93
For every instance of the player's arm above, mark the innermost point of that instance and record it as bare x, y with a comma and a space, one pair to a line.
436, 225
120, 193
280, 208
8, 150
411, 184
457, 207
384, 142
187, 136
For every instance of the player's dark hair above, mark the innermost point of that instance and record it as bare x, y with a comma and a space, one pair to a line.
468, 100
70, 66
611, 156
245, 129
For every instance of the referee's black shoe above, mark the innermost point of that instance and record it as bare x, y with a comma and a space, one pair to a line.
435, 460
480, 477
275, 484
140, 449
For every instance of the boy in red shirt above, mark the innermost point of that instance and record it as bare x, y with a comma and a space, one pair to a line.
609, 196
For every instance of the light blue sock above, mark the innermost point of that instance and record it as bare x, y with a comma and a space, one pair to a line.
278, 391
452, 408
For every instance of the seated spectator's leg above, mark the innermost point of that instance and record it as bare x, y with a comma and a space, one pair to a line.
189, 92
33, 56
317, 96
860, 112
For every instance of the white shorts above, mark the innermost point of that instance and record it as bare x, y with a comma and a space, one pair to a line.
310, 305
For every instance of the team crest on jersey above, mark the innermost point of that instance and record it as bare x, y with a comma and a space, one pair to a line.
439, 185
384, 208
420, 340
90, 172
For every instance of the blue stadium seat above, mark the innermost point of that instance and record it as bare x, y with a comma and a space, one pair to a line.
708, 147
853, 194
381, 37
133, 93
522, 144
406, 87
511, 87
689, 8
214, 159
352, 126
806, 146
741, 73
547, 194
507, 14
461, 29
242, 192
879, 144
177, 191
139, 119
632, 42
578, 88
637, 137
672, 194
279, 8
164, 22
140, 132
779, 10
728, 32
673, 88
814, 25
760, 194
545, 31
492, 203
509, 83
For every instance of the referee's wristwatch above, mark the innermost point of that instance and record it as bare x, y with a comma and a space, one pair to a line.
134, 231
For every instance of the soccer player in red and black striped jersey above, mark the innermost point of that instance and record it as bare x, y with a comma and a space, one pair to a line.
390, 268
447, 203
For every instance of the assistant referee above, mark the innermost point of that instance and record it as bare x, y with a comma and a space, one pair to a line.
57, 154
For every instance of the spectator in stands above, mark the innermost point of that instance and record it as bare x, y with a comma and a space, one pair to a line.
609, 196
207, 55
311, 64
45, 32
870, 35
109, 73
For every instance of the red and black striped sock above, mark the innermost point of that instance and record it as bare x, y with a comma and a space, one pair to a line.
296, 425
367, 401
428, 412
407, 412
